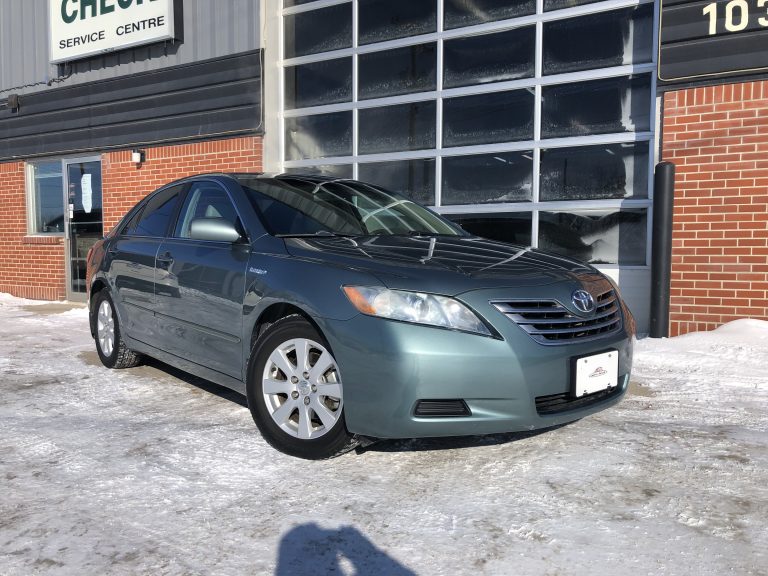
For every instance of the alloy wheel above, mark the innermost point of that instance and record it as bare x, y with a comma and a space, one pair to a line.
302, 388
105, 328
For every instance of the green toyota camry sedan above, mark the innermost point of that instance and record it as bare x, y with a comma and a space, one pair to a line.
345, 313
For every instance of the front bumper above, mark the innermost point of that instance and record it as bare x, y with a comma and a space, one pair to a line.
387, 367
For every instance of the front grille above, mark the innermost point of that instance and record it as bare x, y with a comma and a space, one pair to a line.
555, 403
549, 322
437, 408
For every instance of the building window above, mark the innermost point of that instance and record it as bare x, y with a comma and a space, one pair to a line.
525, 120
45, 197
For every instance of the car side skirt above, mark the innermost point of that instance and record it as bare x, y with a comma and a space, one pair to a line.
186, 365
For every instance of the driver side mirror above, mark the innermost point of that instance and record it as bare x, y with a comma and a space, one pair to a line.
213, 229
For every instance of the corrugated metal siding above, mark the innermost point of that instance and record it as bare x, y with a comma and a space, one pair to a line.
213, 98
212, 28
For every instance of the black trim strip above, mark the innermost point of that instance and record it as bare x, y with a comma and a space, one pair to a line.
212, 98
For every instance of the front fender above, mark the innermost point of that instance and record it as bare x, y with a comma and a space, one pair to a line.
272, 279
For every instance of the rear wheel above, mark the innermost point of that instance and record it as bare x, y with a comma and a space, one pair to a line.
106, 330
295, 392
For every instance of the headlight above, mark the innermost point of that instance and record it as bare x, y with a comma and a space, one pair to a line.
416, 307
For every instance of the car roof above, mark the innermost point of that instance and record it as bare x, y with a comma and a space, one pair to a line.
314, 178
310, 178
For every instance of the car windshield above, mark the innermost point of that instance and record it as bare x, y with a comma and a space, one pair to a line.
296, 206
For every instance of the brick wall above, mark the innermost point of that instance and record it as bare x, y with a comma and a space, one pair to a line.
30, 266
718, 138
33, 266
125, 183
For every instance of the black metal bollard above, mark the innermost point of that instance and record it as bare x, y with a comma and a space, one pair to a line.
661, 248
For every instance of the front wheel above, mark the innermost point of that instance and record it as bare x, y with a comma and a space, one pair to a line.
110, 345
295, 392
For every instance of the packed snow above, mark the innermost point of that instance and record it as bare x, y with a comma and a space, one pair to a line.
151, 471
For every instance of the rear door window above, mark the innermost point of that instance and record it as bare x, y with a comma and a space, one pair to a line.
157, 214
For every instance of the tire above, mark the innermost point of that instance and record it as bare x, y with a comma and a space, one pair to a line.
295, 392
105, 327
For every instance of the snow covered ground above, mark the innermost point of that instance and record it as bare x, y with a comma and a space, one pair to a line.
149, 471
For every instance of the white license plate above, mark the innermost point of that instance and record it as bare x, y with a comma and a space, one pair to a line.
596, 373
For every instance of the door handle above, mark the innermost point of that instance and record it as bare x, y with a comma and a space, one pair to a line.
165, 260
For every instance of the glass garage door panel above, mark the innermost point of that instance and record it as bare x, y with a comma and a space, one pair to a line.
399, 71
488, 118
598, 236
559, 4
487, 58
414, 178
447, 113
318, 83
318, 136
597, 107
460, 13
604, 172
318, 31
514, 227
397, 128
488, 178
598, 40
382, 20
332, 170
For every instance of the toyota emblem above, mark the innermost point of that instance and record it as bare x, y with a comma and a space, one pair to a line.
583, 301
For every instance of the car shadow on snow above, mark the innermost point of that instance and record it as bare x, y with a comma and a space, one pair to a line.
156, 368
311, 549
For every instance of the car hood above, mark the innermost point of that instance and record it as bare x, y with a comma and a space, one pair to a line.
444, 264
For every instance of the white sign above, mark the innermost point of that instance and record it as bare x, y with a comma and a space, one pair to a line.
82, 28
87, 193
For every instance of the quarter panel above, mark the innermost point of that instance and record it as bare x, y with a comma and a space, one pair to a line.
130, 267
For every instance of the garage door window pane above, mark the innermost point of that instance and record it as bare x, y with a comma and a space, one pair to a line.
413, 178
595, 172
487, 178
318, 136
460, 13
559, 4
490, 57
400, 71
488, 118
598, 40
598, 237
318, 31
318, 83
596, 107
382, 20
332, 170
397, 128
514, 228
